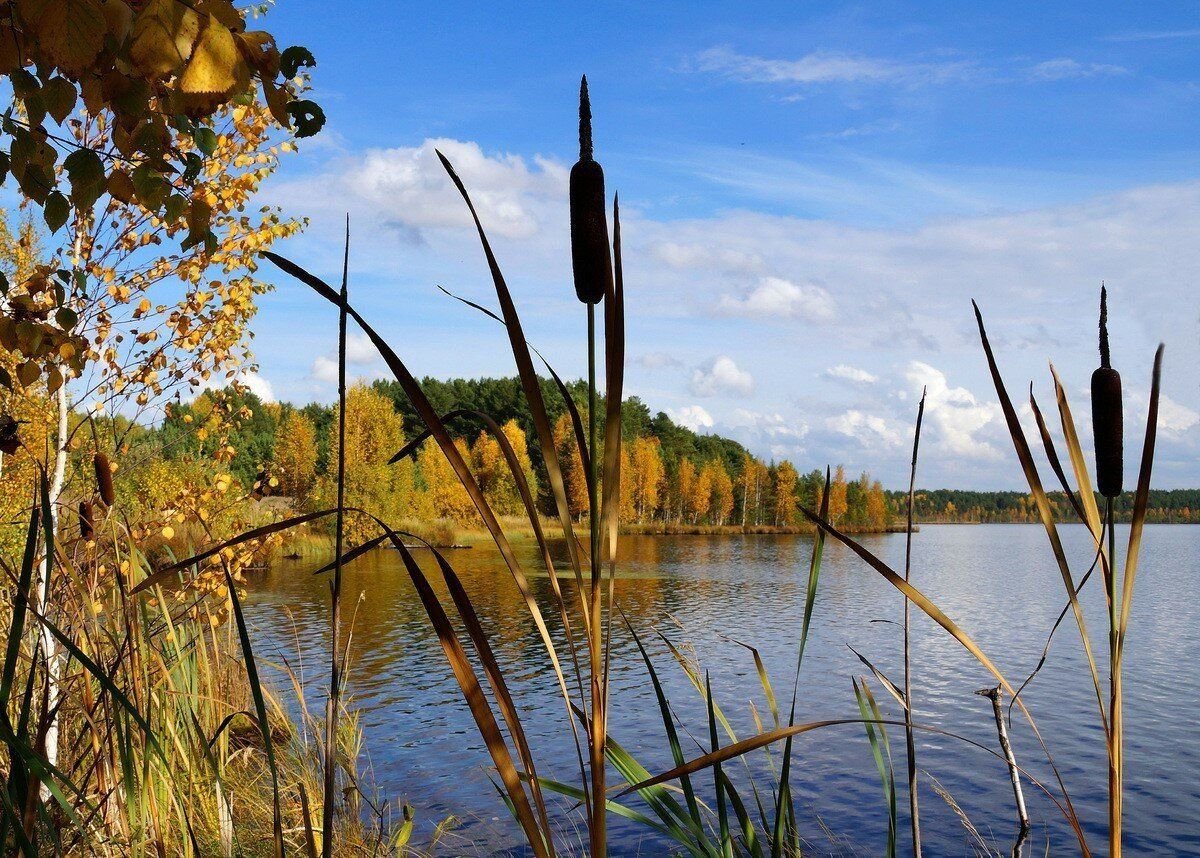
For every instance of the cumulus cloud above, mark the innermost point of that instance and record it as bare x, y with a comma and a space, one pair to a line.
845, 372
872, 431
324, 369
408, 192
1176, 419
774, 297
254, 382
360, 352
693, 417
957, 416
721, 377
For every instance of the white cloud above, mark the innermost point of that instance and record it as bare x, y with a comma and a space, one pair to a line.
870, 430
1176, 419
658, 360
678, 255
692, 416
823, 67
254, 382
1065, 68
360, 350
721, 376
775, 297
771, 425
853, 374
324, 369
407, 191
957, 416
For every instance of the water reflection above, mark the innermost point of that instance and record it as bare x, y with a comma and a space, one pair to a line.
999, 582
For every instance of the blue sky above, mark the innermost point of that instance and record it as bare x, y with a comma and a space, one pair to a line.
811, 195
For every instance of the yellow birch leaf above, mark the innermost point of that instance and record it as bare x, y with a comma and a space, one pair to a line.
213, 67
164, 34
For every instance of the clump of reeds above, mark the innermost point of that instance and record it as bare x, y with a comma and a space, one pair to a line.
168, 741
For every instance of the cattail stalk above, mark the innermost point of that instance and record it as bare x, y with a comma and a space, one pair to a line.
591, 261
1107, 432
329, 791
909, 739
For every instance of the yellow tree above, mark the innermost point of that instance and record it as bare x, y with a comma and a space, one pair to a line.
294, 462
19, 255
626, 511
878, 517
698, 498
572, 466
445, 496
374, 431
751, 483
644, 477
784, 504
685, 480
837, 495
722, 491
495, 476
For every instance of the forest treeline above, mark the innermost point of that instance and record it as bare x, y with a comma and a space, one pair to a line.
959, 506
671, 476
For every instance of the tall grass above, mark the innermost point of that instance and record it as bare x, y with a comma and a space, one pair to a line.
169, 744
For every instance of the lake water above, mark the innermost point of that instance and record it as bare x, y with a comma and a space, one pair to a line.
999, 582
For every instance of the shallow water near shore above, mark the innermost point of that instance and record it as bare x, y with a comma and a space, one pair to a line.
998, 582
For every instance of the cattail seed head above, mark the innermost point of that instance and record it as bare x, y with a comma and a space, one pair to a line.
87, 528
10, 438
104, 480
1107, 417
591, 257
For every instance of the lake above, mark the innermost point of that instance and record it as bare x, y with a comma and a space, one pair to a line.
998, 582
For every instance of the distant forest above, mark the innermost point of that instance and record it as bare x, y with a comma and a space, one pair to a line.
1180, 506
672, 476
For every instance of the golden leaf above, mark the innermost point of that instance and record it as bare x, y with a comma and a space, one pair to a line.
164, 34
216, 65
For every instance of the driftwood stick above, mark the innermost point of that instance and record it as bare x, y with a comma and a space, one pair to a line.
995, 695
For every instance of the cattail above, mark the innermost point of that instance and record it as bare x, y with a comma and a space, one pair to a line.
591, 257
87, 527
10, 438
1107, 421
104, 481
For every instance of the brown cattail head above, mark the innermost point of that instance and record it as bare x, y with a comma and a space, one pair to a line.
1107, 418
591, 257
10, 438
87, 528
104, 480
